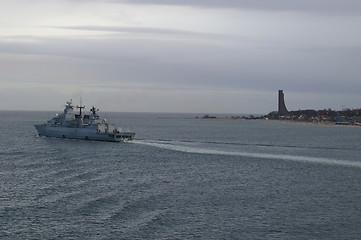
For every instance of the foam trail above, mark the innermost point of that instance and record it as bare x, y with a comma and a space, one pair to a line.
285, 157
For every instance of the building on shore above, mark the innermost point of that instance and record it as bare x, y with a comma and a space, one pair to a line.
344, 117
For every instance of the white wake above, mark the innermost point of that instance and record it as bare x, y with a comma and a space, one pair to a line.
190, 149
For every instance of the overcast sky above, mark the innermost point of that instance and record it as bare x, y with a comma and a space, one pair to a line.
201, 56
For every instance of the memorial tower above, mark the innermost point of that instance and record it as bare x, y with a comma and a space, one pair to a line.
281, 103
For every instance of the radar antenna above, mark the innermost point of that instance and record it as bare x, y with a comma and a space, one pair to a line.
94, 110
69, 103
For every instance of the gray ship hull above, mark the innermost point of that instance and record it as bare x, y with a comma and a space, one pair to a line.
83, 133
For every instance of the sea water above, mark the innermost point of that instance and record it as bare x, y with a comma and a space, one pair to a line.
182, 178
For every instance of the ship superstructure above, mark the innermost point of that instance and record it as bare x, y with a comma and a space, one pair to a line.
70, 124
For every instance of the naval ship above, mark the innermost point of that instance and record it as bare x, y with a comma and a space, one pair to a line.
78, 126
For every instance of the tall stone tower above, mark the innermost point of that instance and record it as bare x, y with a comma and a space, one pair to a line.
281, 103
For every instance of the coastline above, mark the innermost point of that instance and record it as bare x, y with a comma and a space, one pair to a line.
323, 123
327, 123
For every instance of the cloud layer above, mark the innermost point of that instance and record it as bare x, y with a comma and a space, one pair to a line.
217, 56
319, 6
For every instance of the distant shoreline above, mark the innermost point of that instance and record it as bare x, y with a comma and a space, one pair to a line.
324, 123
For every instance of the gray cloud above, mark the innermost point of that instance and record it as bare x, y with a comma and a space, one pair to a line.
316, 6
164, 33
156, 64
150, 72
147, 30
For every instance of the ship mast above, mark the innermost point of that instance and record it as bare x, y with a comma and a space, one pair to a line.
80, 107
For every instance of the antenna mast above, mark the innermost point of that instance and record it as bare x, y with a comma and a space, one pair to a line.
81, 106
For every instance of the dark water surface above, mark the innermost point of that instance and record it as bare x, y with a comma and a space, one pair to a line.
181, 179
